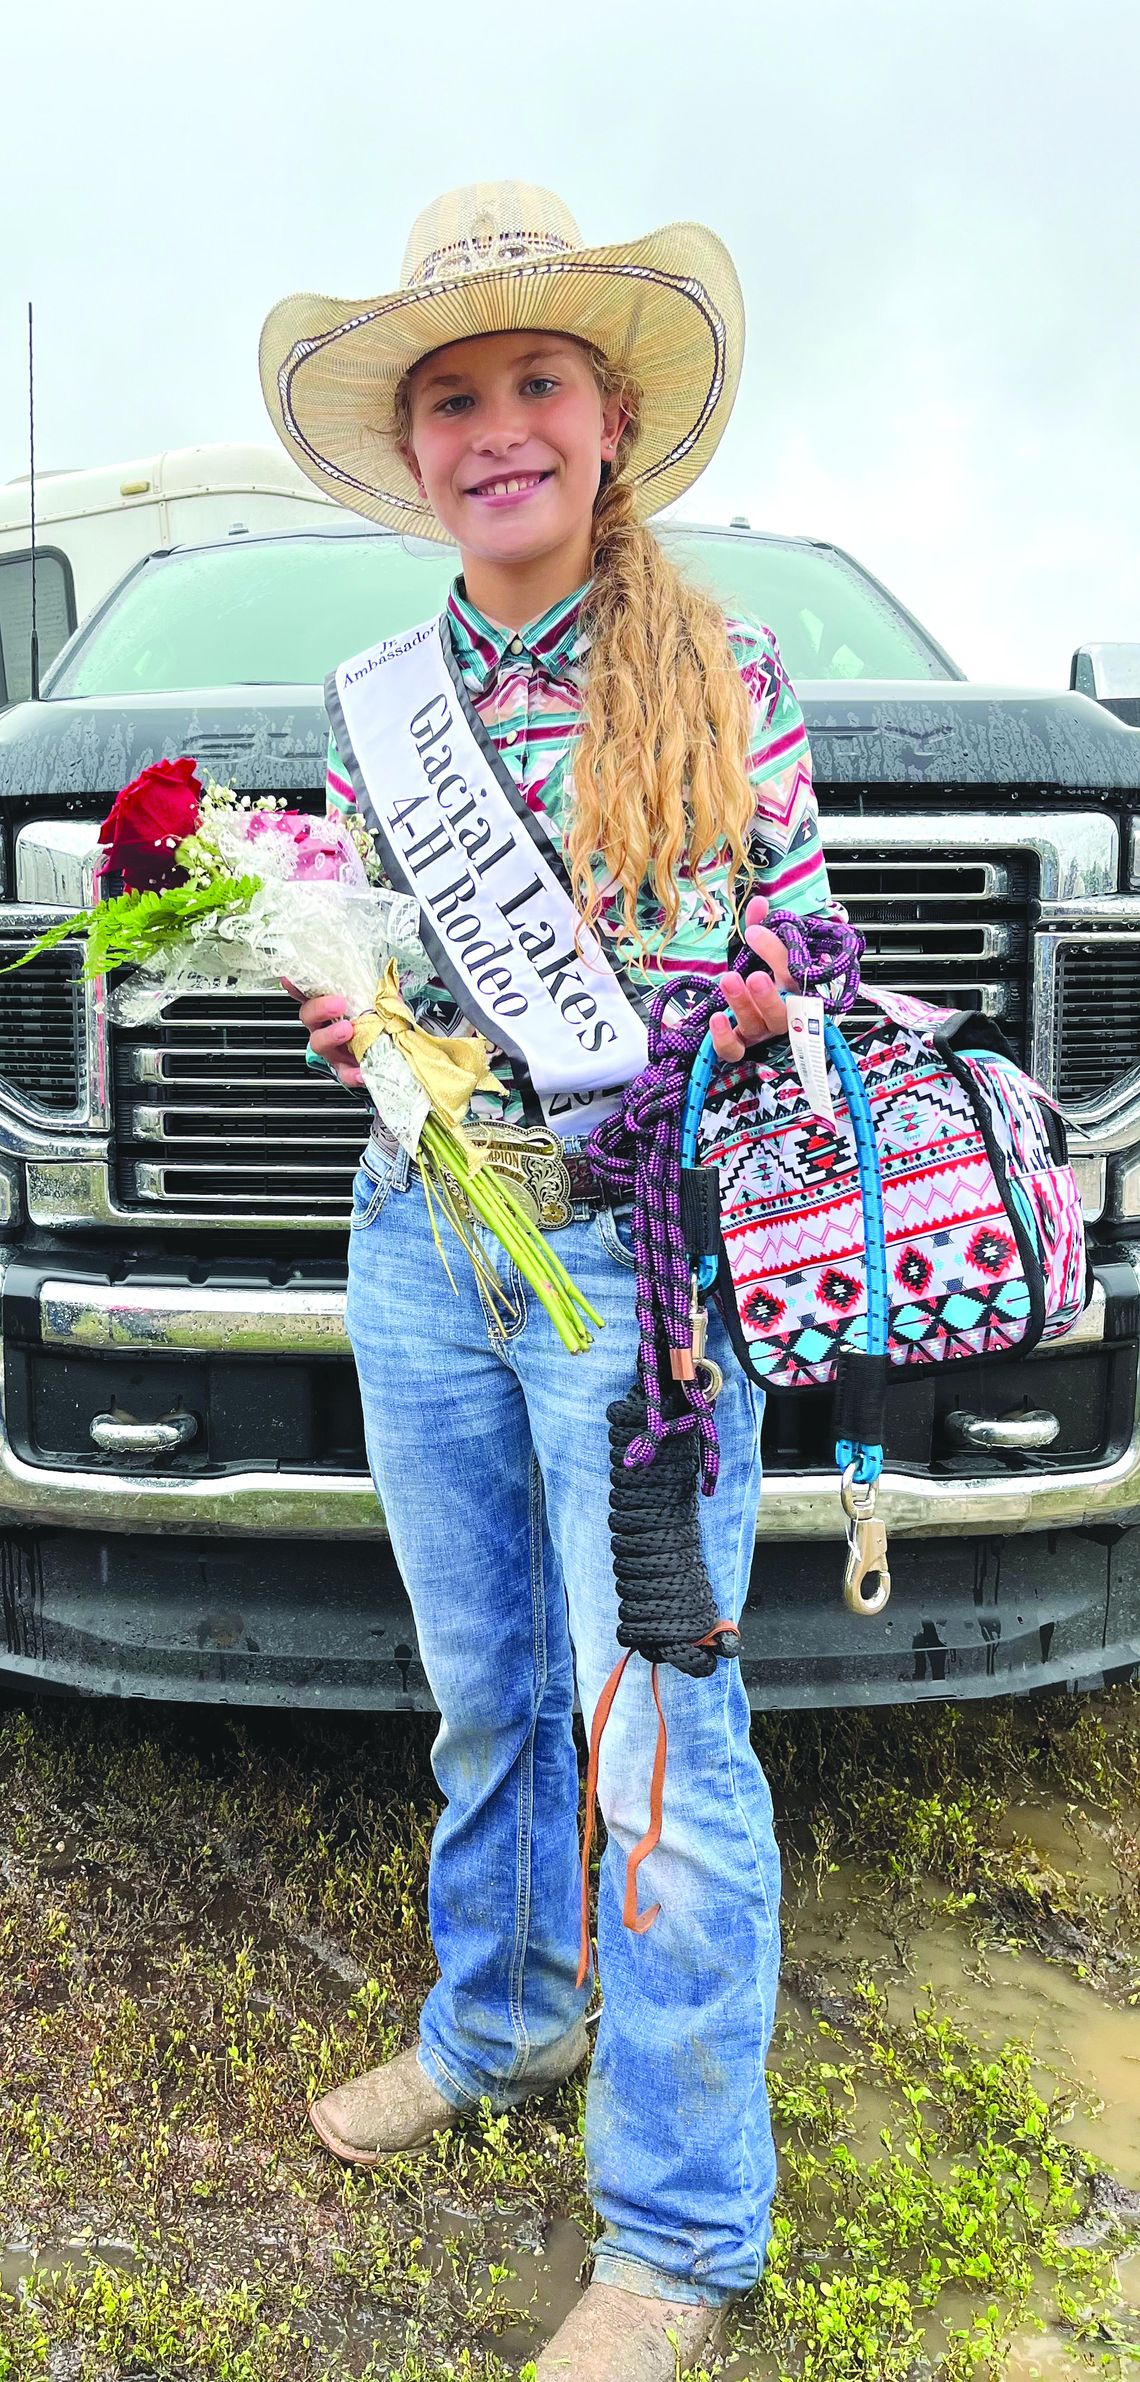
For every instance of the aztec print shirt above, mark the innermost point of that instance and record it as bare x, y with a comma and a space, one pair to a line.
526, 685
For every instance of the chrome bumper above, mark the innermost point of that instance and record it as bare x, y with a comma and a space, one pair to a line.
265, 1502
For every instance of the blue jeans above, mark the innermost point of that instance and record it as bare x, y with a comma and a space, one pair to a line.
488, 1447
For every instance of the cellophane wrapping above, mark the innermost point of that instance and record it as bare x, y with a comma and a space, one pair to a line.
329, 931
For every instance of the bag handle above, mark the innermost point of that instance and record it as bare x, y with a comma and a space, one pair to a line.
860, 1443
862, 1373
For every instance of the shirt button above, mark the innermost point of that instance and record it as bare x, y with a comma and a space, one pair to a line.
516, 645
512, 738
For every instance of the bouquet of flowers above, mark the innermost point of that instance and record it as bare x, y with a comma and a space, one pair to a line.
199, 888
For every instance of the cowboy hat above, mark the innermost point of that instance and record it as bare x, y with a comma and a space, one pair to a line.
505, 256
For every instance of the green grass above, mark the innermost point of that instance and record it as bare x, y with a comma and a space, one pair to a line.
205, 1919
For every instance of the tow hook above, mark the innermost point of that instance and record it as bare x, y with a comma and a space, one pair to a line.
122, 1434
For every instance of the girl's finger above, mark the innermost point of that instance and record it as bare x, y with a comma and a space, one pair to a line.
725, 1039
331, 1041
322, 1010
736, 996
753, 1000
769, 948
761, 1015
343, 1066
757, 910
756, 1007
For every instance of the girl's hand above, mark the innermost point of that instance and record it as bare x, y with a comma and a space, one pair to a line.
329, 1027
754, 1000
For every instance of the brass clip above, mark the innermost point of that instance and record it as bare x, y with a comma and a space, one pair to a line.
866, 1559
866, 1548
707, 1372
698, 1325
692, 1363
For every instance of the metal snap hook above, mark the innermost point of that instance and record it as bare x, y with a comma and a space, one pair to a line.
866, 1548
866, 1561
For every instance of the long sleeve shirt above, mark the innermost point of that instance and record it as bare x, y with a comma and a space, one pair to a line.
527, 686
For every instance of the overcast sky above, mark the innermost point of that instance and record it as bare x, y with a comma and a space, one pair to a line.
934, 208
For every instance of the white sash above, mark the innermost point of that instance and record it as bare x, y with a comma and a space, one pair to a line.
497, 915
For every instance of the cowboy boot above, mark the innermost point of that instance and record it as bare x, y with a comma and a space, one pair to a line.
617, 2336
397, 2107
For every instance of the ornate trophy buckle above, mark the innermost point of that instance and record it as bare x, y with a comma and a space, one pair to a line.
530, 1159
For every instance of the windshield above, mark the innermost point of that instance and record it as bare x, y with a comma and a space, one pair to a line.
285, 611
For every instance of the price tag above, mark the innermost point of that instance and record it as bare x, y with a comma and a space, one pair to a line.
809, 1056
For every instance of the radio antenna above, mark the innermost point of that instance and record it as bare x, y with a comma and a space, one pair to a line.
34, 656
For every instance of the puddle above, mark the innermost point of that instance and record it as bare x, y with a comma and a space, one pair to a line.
1050, 2356
542, 2279
543, 2283
1085, 2045
51, 2261
1070, 1841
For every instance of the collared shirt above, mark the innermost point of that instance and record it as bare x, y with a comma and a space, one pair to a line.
527, 686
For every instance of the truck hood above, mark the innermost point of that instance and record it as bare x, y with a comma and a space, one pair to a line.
881, 733
264, 740
960, 733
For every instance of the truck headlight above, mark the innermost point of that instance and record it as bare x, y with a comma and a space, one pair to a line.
43, 1041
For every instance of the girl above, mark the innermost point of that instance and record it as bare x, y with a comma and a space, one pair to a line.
583, 727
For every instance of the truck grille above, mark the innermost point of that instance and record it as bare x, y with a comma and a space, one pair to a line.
1098, 1015
952, 927
41, 1028
218, 1114
217, 1111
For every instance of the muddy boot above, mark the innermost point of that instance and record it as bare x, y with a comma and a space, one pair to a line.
616, 2336
397, 2107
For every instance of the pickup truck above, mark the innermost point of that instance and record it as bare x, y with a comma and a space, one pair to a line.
185, 1509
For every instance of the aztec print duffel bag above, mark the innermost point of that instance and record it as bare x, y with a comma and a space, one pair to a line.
939, 1219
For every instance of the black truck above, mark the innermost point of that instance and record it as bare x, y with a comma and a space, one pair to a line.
185, 1509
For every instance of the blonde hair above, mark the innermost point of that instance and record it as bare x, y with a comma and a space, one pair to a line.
660, 766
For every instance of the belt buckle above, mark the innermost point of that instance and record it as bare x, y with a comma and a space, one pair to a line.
530, 1159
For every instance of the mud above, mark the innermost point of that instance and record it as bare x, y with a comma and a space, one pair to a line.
1085, 2044
203, 1920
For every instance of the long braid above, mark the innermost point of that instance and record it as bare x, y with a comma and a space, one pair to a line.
660, 773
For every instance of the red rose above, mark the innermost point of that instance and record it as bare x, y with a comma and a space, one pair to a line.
147, 822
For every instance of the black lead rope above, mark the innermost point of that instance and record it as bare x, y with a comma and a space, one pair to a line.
666, 1606
666, 1612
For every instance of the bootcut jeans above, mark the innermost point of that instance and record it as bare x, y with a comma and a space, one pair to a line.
488, 1447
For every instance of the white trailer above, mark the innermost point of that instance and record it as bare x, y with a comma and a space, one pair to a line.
91, 526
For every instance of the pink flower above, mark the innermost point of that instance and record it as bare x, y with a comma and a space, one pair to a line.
322, 848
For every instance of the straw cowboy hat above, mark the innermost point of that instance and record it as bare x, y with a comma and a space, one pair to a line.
505, 256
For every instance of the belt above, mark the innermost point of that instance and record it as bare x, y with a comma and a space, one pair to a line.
548, 1180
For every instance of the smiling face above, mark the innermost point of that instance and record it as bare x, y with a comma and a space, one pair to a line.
507, 438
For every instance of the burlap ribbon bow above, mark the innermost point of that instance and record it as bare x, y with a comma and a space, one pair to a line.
448, 1067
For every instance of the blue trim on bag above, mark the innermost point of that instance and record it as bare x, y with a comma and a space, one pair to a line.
865, 1455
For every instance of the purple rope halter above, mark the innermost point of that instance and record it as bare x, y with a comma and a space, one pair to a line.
636, 1155
823, 955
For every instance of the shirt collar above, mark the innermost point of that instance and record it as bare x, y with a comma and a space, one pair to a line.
552, 644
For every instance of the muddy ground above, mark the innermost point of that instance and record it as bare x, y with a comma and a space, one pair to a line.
204, 1918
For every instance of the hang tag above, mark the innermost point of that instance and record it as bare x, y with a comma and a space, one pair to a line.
809, 1056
